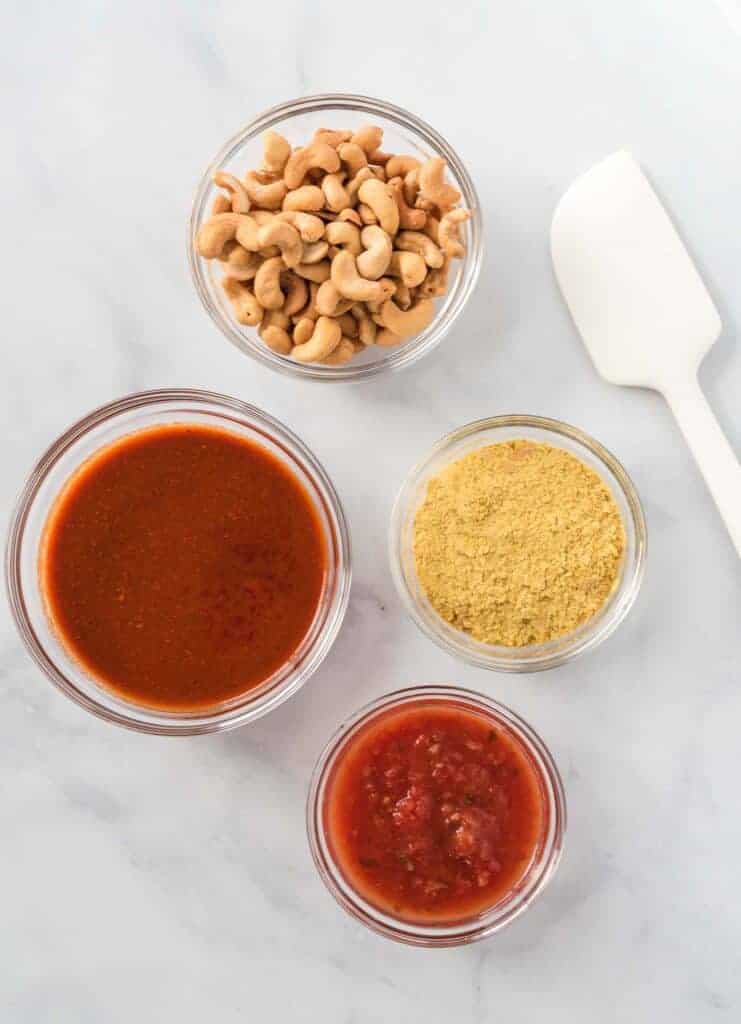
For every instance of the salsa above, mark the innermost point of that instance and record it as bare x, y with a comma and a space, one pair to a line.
434, 812
182, 565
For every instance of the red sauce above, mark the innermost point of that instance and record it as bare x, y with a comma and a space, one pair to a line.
434, 812
182, 566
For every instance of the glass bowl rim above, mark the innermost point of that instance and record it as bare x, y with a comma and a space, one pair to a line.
414, 349
468, 930
138, 717
535, 657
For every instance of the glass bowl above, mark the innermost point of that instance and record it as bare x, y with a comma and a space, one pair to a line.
60, 461
297, 120
534, 657
460, 931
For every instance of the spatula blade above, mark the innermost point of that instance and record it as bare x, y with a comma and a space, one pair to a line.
636, 297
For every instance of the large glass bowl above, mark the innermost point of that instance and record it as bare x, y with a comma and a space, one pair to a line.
297, 120
65, 456
554, 652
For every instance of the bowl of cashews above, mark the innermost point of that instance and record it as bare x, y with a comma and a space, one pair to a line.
335, 237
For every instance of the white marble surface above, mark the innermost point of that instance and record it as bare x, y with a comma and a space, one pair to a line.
169, 880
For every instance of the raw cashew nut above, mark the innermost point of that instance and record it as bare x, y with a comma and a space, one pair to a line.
367, 216
275, 152
432, 229
351, 285
400, 165
329, 302
267, 195
267, 283
349, 325
341, 355
409, 217
333, 137
450, 241
315, 251
215, 233
378, 170
248, 231
409, 266
367, 327
415, 241
380, 198
310, 228
336, 195
364, 174
436, 282
387, 339
375, 260
404, 323
240, 201
318, 272
274, 318
303, 330
221, 204
353, 157
345, 236
324, 339
369, 137
309, 311
287, 238
301, 161
238, 262
247, 310
352, 216
402, 295
278, 340
307, 198
296, 292
433, 187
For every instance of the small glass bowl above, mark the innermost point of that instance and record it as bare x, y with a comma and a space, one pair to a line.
297, 120
458, 932
533, 657
64, 457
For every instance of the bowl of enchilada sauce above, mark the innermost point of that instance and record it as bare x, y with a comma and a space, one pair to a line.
186, 569
440, 816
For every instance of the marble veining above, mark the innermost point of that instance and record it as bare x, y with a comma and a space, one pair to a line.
161, 880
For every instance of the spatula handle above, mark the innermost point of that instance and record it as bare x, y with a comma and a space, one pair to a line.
714, 455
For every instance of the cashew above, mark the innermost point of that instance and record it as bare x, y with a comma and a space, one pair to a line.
433, 187
373, 262
344, 235
240, 201
314, 271
261, 217
215, 233
336, 195
415, 241
288, 240
409, 266
351, 285
247, 309
411, 186
315, 251
409, 218
432, 229
378, 171
380, 198
379, 157
400, 165
369, 137
275, 152
366, 327
248, 231
296, 292
278, 340
331, 136
221, 204
307, 198
367, 216
349, 325
329, 302
386, 338
310, 228
267, 283
404, 323
309, 311
350, 215
402, 295
436, 282
238, 262
364, 174
303, 330
450, 241
267, 195
341, 355
352, 156
274, 318
325, 338
301, 161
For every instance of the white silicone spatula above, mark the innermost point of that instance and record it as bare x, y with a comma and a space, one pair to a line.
642, 308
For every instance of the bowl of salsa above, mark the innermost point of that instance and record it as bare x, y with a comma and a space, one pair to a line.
178, 562
436, 816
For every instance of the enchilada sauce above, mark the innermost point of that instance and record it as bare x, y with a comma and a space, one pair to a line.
434, 813
182, 565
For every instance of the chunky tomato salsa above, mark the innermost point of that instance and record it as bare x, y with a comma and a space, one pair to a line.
182, 565
434, 812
